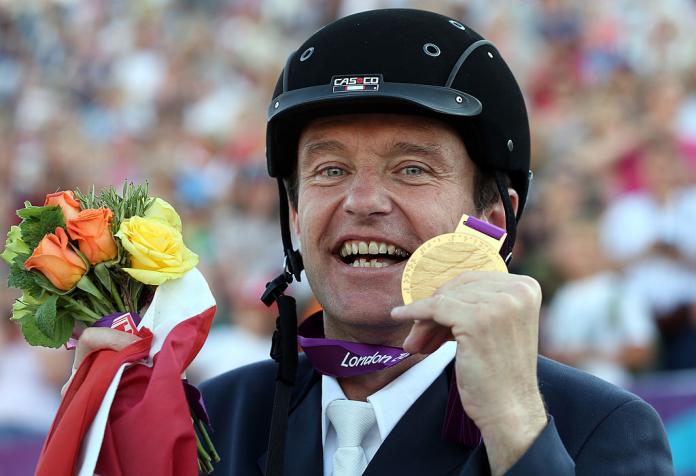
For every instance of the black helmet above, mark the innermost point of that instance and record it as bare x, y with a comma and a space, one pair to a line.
410, 61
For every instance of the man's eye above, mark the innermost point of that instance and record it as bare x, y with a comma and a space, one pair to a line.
332, 172
412, 171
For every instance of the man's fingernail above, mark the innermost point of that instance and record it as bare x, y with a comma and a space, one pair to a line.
398, 311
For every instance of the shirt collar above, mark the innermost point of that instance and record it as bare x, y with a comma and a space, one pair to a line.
393, 401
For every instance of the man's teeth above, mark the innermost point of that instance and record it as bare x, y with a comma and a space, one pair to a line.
368, 263
353, 247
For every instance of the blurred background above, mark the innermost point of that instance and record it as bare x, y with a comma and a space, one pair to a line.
175, 92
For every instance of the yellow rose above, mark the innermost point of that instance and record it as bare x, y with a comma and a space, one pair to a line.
162, 210
156, 250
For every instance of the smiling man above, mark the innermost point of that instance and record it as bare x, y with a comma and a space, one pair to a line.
367, 185
385, 128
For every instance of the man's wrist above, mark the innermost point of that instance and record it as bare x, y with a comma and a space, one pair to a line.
510, 434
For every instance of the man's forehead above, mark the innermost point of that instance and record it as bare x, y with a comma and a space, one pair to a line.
418, 122
335, 131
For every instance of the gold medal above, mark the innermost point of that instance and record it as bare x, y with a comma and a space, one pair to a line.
444, 257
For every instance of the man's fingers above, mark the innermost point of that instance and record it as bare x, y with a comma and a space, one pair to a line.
94, 338
438, 308
426, 337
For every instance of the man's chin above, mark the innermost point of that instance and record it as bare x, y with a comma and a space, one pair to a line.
372, 323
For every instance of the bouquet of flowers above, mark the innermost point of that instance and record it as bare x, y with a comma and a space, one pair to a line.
102, 259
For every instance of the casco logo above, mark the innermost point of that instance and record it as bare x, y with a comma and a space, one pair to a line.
356, 80
356, 83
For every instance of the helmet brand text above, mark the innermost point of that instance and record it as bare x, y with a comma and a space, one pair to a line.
343, 84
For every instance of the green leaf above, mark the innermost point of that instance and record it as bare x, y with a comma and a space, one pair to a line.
22, 279
24, 307
88, 200
78, 309
79, 253
103, 275
64, 328
25, 313
46, 317
34, 336
135, 289
39, 221
88, 286
31, 211
14, 245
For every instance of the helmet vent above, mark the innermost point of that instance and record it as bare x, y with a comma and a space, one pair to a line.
490, 55
431, 49
306, 54
456, 24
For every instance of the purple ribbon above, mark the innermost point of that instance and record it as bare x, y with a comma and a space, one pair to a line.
339, 358
195, 401
485, 227
458, 427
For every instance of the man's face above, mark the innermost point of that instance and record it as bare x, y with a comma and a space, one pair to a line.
374, 184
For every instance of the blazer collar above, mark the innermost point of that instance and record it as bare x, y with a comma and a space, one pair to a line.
415, 446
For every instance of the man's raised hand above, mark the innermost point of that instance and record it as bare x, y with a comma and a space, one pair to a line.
494, 318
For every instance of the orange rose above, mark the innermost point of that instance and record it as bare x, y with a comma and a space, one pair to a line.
66, 201
92, 230
55, 260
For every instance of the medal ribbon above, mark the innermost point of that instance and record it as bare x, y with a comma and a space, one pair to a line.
340, 358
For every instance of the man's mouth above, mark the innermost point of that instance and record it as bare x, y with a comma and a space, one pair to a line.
371, 254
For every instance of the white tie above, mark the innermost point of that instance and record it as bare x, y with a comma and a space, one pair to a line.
351, 420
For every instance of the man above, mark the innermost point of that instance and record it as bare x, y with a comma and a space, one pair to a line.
386, 127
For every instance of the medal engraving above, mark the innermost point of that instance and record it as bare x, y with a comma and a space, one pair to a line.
445, 257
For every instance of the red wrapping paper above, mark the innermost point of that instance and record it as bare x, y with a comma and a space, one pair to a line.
149, 429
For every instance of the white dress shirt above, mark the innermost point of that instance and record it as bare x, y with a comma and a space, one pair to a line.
390, 403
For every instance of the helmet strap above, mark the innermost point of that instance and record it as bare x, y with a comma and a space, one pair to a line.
283, 351
510, 219
293, 257
284, 346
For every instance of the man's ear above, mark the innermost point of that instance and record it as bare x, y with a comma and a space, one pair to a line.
294, 221
496, 213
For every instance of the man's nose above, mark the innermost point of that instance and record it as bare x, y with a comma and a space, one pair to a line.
367, 196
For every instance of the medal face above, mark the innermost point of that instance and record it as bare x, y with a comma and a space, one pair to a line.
444, 257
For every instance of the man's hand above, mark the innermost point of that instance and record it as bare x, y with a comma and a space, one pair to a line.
494, 317
96, 338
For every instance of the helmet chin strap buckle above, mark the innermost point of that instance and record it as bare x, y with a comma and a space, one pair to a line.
293, 264
276, 288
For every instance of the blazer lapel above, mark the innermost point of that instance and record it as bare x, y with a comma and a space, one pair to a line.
303, 448
415, 446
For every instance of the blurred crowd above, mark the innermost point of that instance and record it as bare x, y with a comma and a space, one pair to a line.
175, 92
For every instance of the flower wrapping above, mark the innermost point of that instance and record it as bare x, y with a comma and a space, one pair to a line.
126, 412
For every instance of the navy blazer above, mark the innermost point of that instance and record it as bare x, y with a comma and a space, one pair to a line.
594, 429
